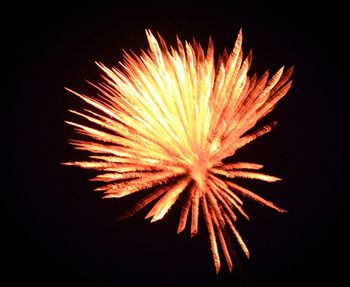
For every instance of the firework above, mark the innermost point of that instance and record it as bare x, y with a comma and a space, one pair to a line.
164, 122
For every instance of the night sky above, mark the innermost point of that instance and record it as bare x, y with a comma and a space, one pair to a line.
58, 232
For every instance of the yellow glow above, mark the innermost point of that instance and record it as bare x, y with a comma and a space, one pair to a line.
167, 118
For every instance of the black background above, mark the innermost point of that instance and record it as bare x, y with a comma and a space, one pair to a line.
58, 232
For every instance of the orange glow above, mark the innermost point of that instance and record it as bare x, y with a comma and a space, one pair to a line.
167, 118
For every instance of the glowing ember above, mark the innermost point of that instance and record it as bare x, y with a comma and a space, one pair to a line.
168, 118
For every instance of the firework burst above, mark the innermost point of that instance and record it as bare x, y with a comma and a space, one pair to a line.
167, 119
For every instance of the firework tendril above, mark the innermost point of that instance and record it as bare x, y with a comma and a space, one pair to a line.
164, 122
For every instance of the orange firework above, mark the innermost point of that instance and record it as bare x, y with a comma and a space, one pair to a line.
167, 119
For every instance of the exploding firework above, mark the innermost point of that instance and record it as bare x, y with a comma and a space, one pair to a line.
163, 124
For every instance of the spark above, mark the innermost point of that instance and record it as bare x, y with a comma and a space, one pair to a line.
164, 122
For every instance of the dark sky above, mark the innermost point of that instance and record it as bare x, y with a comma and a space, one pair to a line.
59, 233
